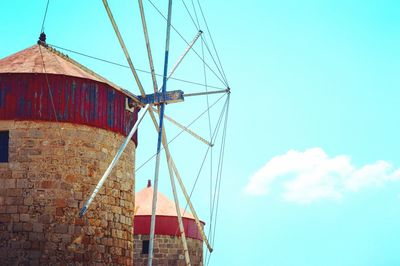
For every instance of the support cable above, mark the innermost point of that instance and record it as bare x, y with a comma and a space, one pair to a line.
42, 40
53, 107
204, 38
172, 165
125, 66
220, 172
216, 130
212, 41
180, 35
180, 133
48, 86
180, 59
190, 15
195, 13
209, 127
44, 17
215, 134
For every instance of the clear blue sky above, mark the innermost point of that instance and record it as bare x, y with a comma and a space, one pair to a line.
311, 171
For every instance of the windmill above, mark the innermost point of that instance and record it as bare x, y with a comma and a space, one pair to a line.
155, 103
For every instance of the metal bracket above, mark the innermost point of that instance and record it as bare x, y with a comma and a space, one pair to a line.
130, 104
158, 98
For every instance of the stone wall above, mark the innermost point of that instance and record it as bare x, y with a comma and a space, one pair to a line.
168, 250
52, 169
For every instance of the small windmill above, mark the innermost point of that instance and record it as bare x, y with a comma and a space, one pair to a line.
155, 103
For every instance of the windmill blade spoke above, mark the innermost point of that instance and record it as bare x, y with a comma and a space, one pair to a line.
179, 61
178, 210
185, 53
185, 128
146, 36
192, 210
182, 186
206, 92
183, 38
113, 163
122, 43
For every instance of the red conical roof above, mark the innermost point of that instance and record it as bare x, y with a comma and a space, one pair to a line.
165, 206
30, 61
166, 221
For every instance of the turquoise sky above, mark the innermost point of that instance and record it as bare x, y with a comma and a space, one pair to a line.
311, 174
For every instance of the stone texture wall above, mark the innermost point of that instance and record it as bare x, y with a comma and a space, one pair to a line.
168, 250
52, 169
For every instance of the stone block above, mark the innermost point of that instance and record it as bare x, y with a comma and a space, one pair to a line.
37, 227
10, 183
61, 228
24, 217
22, 183
11, 209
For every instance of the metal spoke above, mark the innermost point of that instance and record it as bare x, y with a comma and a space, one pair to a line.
113, 163
190, 45
122, 43
177, 206
178, 177
146, 36
185, 129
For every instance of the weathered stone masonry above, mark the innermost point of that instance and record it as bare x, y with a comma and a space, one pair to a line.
52, 169
168, 250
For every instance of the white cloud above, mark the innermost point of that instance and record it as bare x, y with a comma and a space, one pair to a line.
311, 175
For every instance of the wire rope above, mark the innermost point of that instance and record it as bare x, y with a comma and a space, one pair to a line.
215, 134
125, 66
44, 17
180, 35
220, 172
190, 15
212, 41
181, 131
195, 13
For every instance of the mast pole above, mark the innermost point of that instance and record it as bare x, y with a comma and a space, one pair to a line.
157, 168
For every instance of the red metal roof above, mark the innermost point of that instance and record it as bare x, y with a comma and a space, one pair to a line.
165, 206
30, 61
166, 221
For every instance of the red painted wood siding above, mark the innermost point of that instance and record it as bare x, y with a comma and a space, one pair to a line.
25, 96
165, 225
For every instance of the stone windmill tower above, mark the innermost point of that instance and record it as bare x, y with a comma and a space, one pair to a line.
168, 249
60, 126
